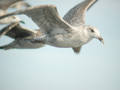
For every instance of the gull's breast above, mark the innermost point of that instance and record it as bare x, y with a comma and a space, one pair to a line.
63, 40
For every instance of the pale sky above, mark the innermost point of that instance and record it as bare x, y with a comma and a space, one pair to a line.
97, 67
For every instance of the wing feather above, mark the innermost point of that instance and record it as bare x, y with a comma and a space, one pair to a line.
15, 30
19, 5
45, 16
4, 4
76, 16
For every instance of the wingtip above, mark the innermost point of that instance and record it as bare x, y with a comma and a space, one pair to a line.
1, 47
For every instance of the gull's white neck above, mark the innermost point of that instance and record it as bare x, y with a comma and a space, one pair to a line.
84, 35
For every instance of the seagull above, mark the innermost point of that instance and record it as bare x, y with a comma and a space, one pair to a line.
67, 32
5, 4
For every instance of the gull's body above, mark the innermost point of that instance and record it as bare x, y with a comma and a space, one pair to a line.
69, 32
67, 39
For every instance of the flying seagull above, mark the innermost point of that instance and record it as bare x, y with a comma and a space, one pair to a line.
5, 4
70, 32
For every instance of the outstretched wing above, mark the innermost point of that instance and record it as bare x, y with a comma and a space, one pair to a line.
20, 5
15, 30
76, 16
4, 4
45, 16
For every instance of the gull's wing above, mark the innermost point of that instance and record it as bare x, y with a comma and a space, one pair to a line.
4, 4
45, 16
15, 30
19, 5
76, 16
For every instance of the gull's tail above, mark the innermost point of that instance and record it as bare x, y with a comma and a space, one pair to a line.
5, 47
1, 47
8, 46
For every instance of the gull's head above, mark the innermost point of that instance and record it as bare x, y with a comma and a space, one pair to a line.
93, 32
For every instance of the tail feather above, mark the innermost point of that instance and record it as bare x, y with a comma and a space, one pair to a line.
5, 47
1, 47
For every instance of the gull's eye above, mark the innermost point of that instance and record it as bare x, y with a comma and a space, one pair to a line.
91, 30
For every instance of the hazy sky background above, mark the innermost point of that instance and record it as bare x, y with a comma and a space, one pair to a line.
97, 67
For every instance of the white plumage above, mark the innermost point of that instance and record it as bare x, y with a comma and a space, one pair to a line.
67, 32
